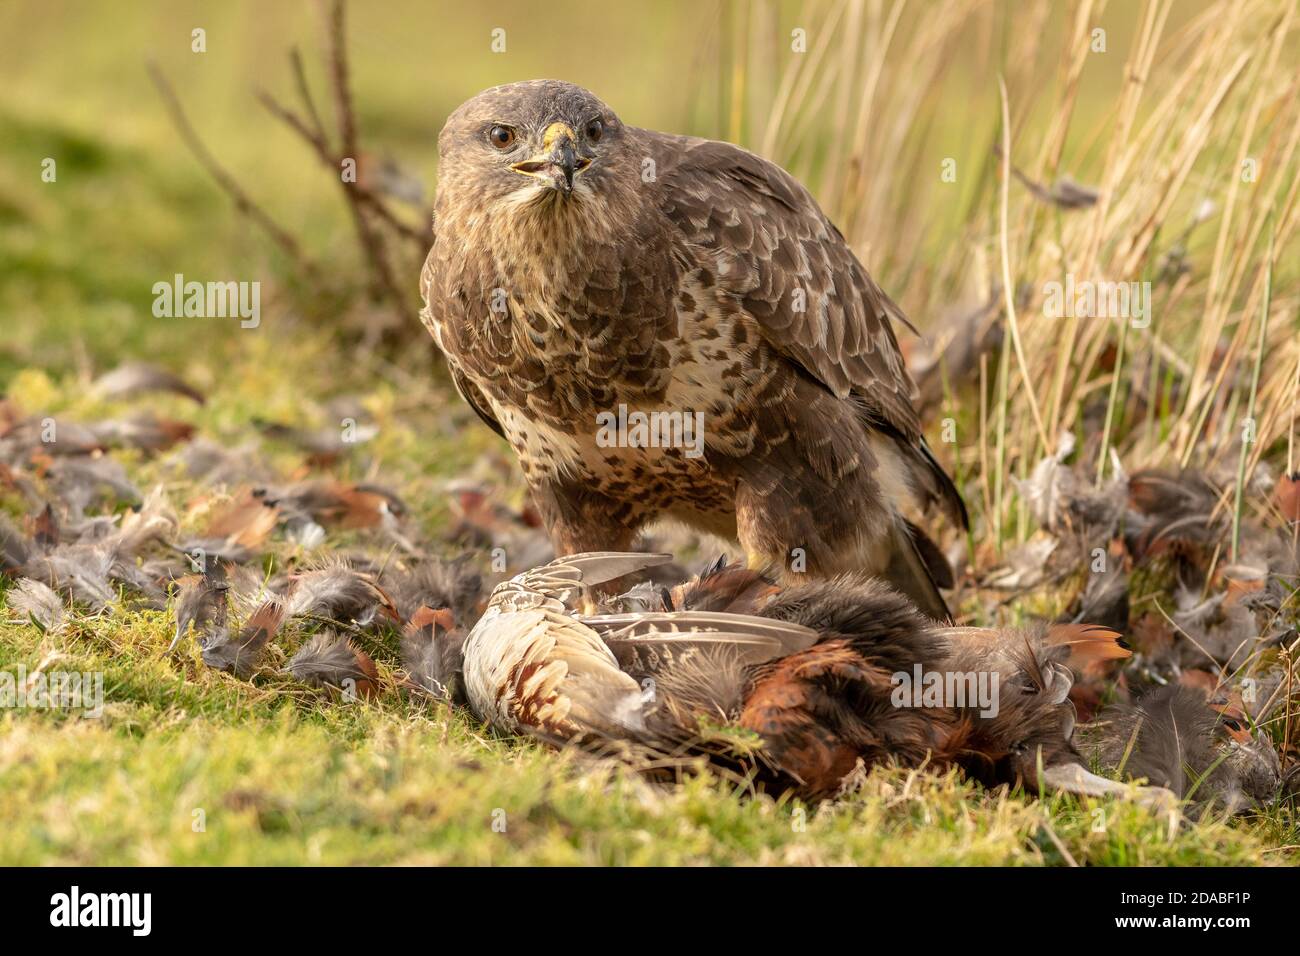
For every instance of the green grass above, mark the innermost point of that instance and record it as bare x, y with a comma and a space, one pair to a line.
283, 777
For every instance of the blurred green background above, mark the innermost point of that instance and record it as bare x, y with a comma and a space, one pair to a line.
131, 205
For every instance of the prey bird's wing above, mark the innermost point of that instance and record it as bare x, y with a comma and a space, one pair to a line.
530, 663
768, 248
645, 643
564, 582
539, 669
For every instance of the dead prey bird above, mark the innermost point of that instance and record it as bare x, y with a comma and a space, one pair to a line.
813, 670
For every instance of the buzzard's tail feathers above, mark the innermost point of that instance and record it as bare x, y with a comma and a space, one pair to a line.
935, 561
909, 571
943, 489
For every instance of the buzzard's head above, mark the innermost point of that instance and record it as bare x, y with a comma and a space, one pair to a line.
543, 142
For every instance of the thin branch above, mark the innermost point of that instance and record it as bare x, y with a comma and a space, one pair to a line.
243, 202
372, 242
295, 122
304, 91
363, 193
339, 75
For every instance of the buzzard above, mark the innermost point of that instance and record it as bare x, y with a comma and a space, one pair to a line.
589, 277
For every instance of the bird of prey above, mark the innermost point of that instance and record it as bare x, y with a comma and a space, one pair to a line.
586, 272
814, 670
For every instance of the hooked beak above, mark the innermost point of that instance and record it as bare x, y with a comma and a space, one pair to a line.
558, 163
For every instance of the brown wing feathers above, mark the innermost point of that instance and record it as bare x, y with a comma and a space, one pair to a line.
843, 338
837, 328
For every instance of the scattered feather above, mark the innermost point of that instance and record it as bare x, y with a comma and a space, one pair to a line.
133, 378
34, 600
1288, 496
239, 654
330, 660
144, 431
1175, 738
247, 521
432, 654
436, 583
325, 446
202, 602
339, 593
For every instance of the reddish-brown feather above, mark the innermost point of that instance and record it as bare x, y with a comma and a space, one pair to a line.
528, 707
822, 710
1288, 496
1090, 644
734, 588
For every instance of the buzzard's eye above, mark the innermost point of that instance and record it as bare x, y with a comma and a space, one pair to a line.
594, 130
502, 137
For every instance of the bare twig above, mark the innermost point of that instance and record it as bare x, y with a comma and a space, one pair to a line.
387, 262
243, 202
304, 91
366, 196
295, 122
339, 75
383, 285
